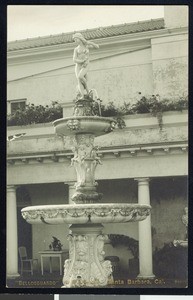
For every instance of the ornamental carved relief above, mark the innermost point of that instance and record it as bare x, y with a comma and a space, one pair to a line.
85, 198
85, 160
86, 265
73, 124
83, 107
111, 127
83, 214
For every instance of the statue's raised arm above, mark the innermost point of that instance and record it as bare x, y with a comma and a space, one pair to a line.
92, 45
81, 60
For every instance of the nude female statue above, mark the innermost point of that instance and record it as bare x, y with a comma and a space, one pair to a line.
81, 59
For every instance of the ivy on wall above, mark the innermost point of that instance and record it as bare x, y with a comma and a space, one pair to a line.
130, 243
34, 114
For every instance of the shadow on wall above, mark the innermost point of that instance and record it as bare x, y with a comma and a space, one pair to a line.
168, 200
122, 252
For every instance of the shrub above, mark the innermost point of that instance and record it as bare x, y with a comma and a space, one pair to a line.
151, 104
171, 262
34, 114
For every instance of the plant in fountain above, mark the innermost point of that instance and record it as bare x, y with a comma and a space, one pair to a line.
55, 244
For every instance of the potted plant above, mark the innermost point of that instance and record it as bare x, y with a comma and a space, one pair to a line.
55, 244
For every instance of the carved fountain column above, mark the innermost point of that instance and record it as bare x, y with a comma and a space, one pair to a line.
85, 161
86, 265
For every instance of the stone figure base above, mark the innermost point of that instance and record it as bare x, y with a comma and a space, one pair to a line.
84, 107
85, 195
86, 266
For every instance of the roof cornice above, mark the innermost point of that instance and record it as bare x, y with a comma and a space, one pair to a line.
103, 42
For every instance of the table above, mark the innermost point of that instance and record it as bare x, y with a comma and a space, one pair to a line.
50, 254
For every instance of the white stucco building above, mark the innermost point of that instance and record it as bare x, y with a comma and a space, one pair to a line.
140, 162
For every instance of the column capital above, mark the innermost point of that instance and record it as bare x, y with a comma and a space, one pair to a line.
11, 188
142, 180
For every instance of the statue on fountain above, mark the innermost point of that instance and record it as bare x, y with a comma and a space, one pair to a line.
81, 59
185, 221
183, 243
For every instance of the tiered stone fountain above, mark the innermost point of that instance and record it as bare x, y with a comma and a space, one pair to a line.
86, 266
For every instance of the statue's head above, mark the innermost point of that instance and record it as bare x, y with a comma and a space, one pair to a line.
78, 36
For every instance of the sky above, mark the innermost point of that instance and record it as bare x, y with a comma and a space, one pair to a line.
28, 21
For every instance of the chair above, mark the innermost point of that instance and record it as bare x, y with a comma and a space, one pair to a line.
26, 263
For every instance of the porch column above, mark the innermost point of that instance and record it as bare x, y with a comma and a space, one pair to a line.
71, 189
12, 238
145, 237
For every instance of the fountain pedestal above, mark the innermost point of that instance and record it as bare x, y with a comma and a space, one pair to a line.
86, 266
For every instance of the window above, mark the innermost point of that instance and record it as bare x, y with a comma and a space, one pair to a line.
17, 104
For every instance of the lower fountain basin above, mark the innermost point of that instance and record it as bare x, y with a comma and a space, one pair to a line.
85, 213
84, 124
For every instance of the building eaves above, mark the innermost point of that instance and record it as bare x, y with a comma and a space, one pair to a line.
89, 34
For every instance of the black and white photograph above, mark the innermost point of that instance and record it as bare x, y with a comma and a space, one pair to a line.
97, 147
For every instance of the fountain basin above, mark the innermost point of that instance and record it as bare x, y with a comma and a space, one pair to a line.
84, 124
85, 214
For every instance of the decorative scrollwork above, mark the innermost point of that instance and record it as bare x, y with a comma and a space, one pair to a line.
83, 107
86, 266
85, 161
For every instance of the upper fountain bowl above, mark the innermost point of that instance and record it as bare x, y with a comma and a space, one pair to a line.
84, 124
87, 213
